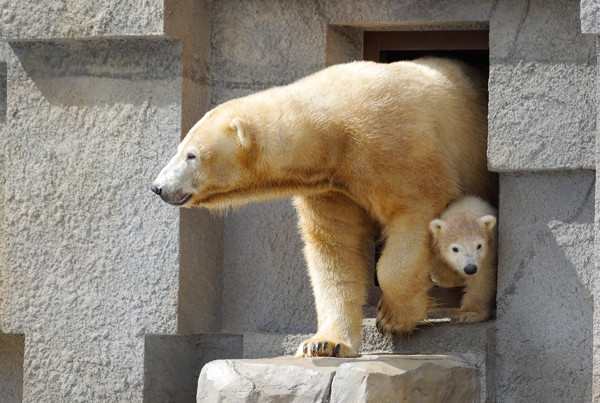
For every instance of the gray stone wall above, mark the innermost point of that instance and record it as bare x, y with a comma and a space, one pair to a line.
33, 19
546, 287
91, 258
542, 88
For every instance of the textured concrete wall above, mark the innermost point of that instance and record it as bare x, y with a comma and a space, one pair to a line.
92, 256
546, 282
173, 363
34, 19
590, 16
542, 88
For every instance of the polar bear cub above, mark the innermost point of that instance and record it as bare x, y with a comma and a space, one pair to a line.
464, 243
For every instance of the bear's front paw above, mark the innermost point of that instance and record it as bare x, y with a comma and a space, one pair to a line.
396, 321
470, 317
319, 347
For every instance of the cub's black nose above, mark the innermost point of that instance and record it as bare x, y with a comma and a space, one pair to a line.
156, 190
470, 269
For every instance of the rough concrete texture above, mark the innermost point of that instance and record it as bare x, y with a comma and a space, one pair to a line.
276, 295
33, 19
92, 255
11, 367
542, 88
546, 281
589, 11
172, 363
373, 378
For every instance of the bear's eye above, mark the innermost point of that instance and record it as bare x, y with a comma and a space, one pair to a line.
191, 156
454, 249
478, 246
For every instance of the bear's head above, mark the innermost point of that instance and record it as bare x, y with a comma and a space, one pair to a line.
213, 162
463, 240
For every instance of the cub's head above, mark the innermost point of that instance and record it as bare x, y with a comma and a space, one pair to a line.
213, 161
463, 240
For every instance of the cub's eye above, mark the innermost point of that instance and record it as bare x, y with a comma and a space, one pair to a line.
478, 246
454, 249
191, 156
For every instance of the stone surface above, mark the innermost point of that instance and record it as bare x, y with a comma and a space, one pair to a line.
92, 255
472, 341
542, 88
276, 295
546, 286
590, 16
367, 378
406, 378
540, 116
11, 367
33, 19
172, 363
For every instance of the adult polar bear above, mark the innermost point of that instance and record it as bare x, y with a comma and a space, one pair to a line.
365, 149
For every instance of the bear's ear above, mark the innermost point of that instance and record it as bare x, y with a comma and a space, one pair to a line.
489, 221
436, 226
240, 128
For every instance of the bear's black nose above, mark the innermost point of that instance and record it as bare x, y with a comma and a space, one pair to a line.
470, 269
156, 190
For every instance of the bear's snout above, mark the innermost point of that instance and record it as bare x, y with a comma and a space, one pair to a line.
176, 198
470, 269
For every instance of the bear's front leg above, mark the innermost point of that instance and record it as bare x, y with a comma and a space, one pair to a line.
478, 298
339, 238
403, 272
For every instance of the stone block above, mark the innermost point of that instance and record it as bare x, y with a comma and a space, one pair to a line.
546, 281
541, 116
406, 378
172, 363
32, 19
400, 15
542, 91
92, 256
367, 378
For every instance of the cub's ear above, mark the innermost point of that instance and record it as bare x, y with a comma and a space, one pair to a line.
489, 221
436, 226
240, 127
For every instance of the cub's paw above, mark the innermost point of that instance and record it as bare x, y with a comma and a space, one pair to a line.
319, 347
469, 317
392, 322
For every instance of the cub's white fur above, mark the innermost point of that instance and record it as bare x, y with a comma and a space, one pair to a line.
464, 242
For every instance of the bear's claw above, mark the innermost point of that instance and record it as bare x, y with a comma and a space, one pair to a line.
323, 348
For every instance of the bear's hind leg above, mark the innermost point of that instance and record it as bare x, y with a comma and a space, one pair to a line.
339, 238
403, 272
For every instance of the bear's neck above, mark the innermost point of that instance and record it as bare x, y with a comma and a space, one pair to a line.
298, 151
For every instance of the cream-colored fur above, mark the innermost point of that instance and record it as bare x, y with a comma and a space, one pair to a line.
464, 241
366, 150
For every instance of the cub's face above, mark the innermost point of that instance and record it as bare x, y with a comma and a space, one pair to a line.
463, 241
211, 162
